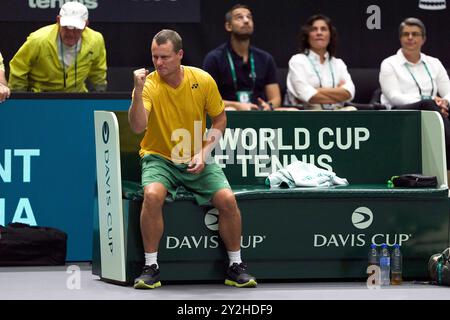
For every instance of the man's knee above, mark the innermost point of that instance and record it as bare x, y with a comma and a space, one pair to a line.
154, 195
225, 201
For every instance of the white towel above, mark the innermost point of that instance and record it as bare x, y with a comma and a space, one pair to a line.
302, 174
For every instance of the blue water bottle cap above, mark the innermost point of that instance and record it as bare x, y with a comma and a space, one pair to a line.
373, 246
396, 246
384, 245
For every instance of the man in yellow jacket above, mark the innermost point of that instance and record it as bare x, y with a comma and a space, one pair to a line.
61, 56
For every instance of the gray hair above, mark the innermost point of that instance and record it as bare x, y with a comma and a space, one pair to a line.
412, 22
169, 35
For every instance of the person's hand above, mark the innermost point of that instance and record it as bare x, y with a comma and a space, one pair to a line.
264, 105
196, 165
244, 106
139, 78
4, 92
443, 105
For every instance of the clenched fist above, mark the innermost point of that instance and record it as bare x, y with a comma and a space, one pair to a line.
139, 78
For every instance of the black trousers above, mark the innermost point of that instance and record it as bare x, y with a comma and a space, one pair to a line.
430, 105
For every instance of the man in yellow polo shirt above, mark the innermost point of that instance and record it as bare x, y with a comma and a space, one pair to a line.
170, 105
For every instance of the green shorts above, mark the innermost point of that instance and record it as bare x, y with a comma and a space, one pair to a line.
156, 168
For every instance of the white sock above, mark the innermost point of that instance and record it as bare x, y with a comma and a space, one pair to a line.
234, 257
151, 258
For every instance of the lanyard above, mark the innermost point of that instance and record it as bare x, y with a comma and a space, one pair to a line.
415, 80
320, 78
63, 63
318, 74
233, 70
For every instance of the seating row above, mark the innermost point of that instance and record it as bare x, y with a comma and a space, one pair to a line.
365, 79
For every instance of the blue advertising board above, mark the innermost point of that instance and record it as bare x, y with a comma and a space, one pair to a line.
47, 166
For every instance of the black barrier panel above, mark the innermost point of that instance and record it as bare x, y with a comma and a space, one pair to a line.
106, 10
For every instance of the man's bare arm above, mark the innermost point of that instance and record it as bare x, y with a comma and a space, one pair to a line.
137, 114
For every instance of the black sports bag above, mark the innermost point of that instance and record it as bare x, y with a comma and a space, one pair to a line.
23, 245
413, 181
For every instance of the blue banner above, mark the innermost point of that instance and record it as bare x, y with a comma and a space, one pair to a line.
47, 166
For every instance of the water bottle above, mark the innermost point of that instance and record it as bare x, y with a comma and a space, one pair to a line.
396, 262
374, 258
385, 265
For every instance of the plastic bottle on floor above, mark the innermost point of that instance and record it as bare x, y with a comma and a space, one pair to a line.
385, 265
396, 265
374, 257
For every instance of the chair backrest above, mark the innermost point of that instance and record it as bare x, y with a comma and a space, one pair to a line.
282, 76
365, 80
366, 83
376, 96
120, 79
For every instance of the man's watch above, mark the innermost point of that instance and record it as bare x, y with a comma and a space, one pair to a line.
270, 105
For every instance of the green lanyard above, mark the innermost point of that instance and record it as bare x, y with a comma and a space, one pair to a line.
64, 65
417, 84
318, 74
233, 70
320, 78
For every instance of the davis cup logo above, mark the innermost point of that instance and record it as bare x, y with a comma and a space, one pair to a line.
362, 218
212, 219
105, 132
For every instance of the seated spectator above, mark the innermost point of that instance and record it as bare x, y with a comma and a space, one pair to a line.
4, 90
316, 79
413, 80
61, 56
246, 75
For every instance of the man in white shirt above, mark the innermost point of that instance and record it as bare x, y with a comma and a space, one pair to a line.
411, 76
411, 80
316, 79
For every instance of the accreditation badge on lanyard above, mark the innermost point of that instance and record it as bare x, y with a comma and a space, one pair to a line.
422, 96
244, 96
324, 106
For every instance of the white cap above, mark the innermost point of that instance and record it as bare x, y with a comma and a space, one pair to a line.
73, 14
